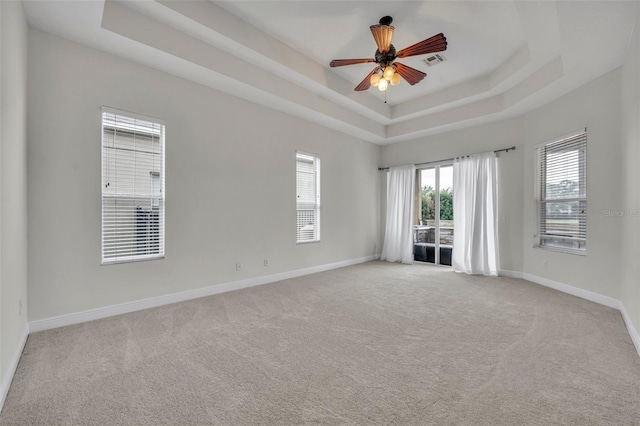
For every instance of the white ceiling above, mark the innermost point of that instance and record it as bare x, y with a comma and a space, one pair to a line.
480, 35
504, 58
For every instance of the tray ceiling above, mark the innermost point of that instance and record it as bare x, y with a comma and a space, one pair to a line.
504, 57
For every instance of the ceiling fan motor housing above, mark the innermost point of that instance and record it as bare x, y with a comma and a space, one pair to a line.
385, 58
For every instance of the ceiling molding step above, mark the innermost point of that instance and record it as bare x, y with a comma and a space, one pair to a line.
217, 27
467, 92
544, 76
450, 97
510, 67
498, 104
481, 108
279, 94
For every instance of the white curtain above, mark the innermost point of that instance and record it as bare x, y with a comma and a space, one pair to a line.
475, 240
398, 235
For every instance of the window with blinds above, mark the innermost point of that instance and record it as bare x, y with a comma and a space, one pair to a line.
561, 189
307, 198
133, 196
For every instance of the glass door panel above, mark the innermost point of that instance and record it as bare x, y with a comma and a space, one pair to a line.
433, 232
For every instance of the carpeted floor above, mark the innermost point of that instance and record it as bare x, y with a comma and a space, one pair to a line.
376, 343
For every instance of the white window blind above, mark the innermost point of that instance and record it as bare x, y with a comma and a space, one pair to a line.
307, 198
133, 195
561, 201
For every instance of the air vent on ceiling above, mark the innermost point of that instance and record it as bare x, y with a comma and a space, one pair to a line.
434, 59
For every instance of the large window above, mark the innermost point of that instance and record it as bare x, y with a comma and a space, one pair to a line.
307, 198
133, 195
561, 194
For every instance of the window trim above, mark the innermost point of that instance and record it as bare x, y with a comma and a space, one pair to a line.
162, 236
538, 202
318, 204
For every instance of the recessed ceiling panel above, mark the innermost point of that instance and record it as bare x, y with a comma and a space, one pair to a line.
481, 35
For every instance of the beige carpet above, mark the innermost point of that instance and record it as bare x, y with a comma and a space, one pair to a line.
376, 343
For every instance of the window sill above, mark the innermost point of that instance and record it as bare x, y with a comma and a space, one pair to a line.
563, 250
307, 242
131, 260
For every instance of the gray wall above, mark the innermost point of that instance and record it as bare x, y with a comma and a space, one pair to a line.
596, 106
630, 222
230, 183
13, 182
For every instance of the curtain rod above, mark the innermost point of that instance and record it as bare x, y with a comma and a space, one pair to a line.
512, 148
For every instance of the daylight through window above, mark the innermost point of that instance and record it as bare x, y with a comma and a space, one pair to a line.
562, 194
307, 198
133, 196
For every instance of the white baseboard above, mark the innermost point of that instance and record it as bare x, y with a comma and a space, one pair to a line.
108, 311
584, 294
152, 302
510, 274
8, 376
635, 337
565, 288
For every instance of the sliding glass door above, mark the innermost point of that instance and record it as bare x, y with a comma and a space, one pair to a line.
433, 232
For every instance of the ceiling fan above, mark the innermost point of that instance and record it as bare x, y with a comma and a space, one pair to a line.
388, 71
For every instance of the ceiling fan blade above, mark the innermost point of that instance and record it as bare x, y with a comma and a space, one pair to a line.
366, 83
343, 62
412, 75
382, 35
437, 43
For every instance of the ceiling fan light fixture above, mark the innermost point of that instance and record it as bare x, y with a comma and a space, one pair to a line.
395, 80
388, 73
375, 79
383, 85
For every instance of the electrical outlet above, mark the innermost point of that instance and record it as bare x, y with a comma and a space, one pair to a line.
545, 264
266, 262
238, 266
20, 307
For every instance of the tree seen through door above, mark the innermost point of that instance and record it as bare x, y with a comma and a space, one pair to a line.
428, 229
